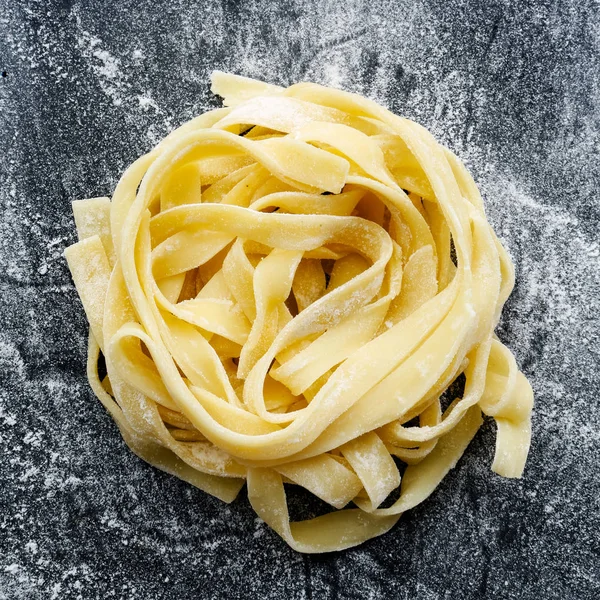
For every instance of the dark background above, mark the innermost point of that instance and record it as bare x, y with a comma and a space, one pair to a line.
87, 86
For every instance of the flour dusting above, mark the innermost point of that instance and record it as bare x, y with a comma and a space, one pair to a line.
511, 89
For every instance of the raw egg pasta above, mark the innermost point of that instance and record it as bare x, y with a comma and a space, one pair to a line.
283, 290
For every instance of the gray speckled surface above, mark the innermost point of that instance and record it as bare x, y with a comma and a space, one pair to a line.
87, 86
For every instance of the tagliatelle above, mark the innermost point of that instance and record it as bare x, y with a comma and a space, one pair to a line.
279, 288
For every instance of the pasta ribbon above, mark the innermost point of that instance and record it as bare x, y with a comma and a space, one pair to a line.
284, 290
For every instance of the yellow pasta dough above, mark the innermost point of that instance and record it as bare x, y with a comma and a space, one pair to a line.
283, 290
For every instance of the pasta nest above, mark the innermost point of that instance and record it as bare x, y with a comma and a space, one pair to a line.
283, 290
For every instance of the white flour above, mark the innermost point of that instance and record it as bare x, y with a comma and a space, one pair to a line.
513, 91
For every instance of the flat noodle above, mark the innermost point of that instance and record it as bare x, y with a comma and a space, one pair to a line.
276, 307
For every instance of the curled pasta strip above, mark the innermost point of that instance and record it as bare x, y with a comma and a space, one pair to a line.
283, 290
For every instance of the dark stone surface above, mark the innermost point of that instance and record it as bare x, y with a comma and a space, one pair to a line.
87, 86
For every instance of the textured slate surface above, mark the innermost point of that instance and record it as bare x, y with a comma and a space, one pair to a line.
87, 86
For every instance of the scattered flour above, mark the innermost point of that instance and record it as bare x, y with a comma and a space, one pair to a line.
513, 92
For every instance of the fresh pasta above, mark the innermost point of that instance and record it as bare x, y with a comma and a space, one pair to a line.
283, 291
